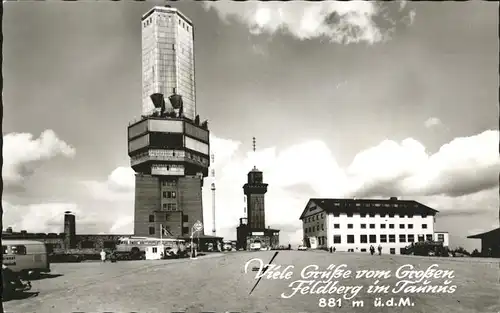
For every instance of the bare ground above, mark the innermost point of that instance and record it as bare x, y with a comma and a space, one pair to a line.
218, 283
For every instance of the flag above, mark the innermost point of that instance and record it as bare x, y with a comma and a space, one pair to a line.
166, 232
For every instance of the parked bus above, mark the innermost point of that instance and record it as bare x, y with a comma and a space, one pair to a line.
26, 257
137, 246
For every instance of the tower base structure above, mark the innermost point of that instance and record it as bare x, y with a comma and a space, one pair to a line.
174, 204
267, 237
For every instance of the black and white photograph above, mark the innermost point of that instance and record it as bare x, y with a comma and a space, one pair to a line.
250, 156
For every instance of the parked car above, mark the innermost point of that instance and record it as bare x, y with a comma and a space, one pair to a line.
29, 258
302, 248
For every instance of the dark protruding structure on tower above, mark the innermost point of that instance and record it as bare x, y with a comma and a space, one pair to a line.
69, 230
253, 229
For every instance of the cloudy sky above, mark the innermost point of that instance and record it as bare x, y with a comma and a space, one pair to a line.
345, 99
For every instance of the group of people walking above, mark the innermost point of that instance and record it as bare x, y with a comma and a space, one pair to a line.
372, 250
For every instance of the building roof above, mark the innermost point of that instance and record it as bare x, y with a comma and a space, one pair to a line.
200, 236
166, 9
20, 242
491, 233
385, 206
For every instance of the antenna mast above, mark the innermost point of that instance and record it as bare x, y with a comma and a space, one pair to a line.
213, 195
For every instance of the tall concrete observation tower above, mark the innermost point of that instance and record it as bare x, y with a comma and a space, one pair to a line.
168, 146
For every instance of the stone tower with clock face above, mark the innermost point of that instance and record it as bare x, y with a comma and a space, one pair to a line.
255, 190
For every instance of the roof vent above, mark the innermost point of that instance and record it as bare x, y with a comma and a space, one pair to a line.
393, 198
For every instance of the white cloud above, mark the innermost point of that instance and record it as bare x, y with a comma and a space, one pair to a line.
451, 180
342, 22
458, 180
40, 217
22, 154
118, 186
432, 122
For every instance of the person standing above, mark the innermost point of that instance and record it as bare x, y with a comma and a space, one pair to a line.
372, 250
379, 250
103, 255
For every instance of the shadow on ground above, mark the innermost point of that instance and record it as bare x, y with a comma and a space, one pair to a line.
19, 296
46, 276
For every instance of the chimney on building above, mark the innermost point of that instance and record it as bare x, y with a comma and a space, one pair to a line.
69, 230
9, 230
394, 199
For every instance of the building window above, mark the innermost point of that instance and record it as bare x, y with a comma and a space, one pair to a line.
305, 230
382, 226
171, 206
171, 194
155, 250
363, 214
401, 226
151, 218
336, 214
440, 237
372, 215
392, 238
317, 227
336, 239
350, 238
402, 238
383, 215
372, 226
383, 238
336, 225
410, 215
410, 226
185, 218
322, 215
349, 225
391, 214
420, 238
391, 226
363, 226
151, 230
411, 238
87, 244
164, 206
18, 250
424, 215
4, 249
164, 194
424, 226
363, 239
363, 250
392, 250
322, 227
428, 237
349, 214
185, 230
373, 238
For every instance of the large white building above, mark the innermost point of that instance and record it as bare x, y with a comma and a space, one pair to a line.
168, 58
355, 224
